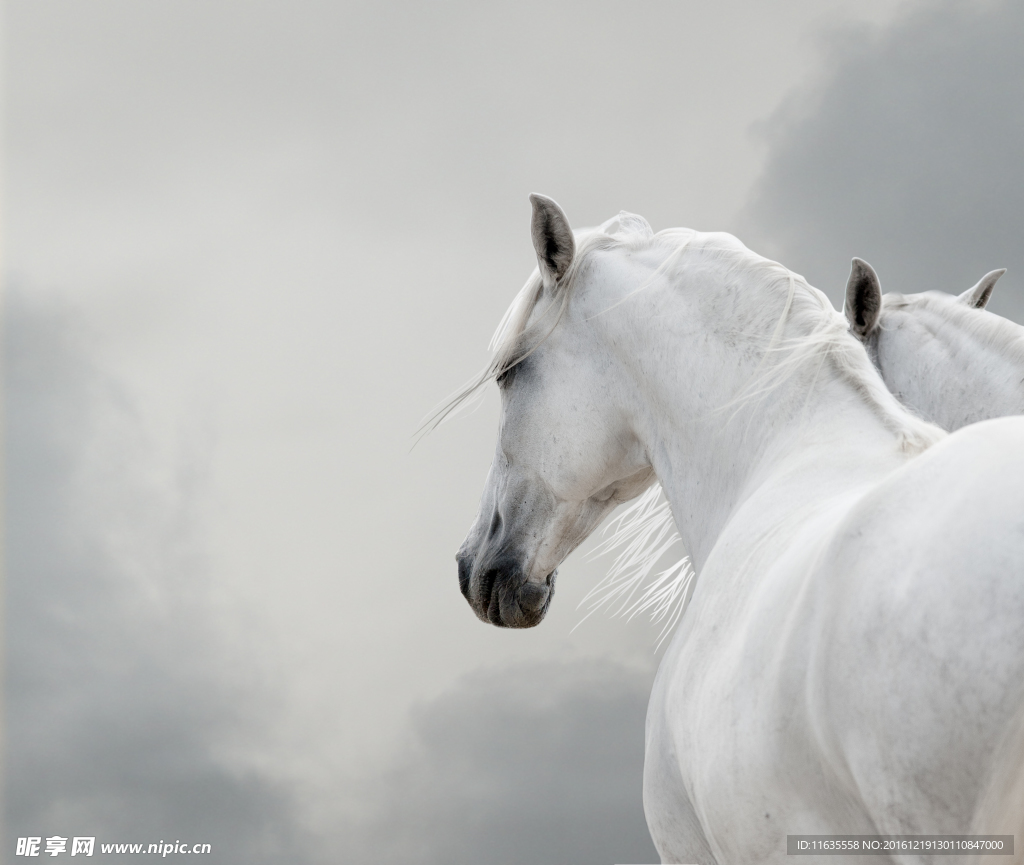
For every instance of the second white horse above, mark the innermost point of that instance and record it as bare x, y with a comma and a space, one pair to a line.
944, 356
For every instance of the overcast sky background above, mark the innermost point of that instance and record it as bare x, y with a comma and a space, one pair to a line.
249, 245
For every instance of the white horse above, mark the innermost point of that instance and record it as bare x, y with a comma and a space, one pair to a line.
852, 658
942, 355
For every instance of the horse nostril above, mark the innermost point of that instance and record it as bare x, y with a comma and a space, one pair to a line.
533, 597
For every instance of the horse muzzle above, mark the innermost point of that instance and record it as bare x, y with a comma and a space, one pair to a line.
500, 593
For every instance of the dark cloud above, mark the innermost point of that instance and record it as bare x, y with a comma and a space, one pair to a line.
909, 154
528, 764
116, 719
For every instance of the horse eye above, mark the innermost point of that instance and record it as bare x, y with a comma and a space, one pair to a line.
504, 379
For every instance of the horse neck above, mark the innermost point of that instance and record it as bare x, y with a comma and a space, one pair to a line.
788, 456
714, 448
953, 366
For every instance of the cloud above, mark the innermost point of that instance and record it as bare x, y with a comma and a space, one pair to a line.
121, 710
529, 763
118, 721
908, 154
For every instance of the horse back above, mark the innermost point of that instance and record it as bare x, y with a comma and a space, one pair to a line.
918, 670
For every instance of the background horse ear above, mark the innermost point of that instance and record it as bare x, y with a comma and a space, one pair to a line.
979, 295
863, 299
552, 239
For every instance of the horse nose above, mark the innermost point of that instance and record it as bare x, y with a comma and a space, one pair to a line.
465, 563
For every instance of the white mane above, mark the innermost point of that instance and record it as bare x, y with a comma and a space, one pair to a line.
643, 533
810, 333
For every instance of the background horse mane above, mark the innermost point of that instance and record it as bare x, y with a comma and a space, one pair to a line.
993, 331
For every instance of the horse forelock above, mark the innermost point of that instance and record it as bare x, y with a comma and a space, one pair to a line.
516, 336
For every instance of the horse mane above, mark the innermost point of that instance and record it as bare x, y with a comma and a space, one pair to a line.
820, 333
986, 328
642, 533
645, 531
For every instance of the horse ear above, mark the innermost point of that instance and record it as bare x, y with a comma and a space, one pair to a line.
863, 299
552, 239
979, 295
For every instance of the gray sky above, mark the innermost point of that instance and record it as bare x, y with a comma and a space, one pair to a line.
907, 153
249, 245
119, 701
523, 763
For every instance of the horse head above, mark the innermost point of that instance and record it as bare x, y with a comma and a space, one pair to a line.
565, 457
